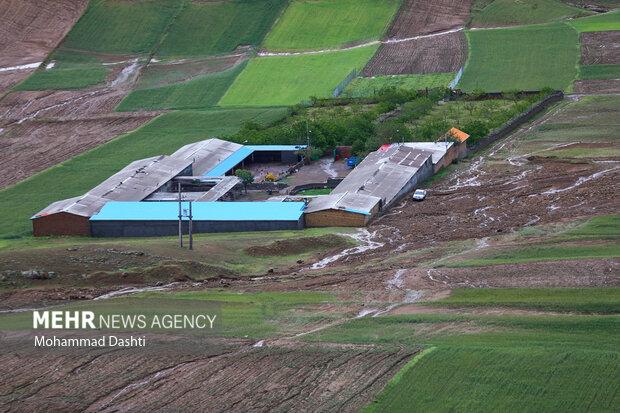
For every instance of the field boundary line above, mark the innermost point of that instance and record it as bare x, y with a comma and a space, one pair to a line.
358, 46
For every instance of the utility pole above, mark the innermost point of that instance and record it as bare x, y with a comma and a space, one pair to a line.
191, 237
180, 217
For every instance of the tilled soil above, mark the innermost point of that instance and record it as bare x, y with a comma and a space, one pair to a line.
437, 54
417, 17
30, 29
44, 128
599, 48
183, 374
589, 87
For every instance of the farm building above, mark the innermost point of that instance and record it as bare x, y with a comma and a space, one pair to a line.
344, 210
134, 219
443, 153
135, 182
381, 179
200, 169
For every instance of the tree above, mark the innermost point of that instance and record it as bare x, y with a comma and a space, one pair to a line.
246, 178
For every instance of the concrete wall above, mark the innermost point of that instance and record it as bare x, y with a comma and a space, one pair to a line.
61, 223
166, 228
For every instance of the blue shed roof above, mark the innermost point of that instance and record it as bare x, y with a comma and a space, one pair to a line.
201, 211
245, 151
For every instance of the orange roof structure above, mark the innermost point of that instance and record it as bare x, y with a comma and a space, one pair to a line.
458, 134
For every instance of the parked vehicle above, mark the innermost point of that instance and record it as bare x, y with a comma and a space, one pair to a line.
419, 195
352, 162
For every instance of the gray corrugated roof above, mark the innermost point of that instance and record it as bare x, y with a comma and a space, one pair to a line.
438, 149
226, 184
206, 154
345, 201
384, 173
134, 182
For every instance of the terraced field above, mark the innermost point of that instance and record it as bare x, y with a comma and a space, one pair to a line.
322, 24
511, 13
287, 80
207, 28
499, 292
508, 59
199, 93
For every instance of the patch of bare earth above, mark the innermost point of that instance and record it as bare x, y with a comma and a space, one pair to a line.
417, 17
599, 48
30, 30
40, 129
593, 87
179, 373
438, 54
434, 54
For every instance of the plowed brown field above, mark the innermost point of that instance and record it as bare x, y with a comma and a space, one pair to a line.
438, 54
417, 17
42, 129
433, 54
30, 30
599, 48
182, 374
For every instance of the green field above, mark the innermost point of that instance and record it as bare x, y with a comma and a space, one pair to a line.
494, 363
121, 27
598, 23
70, 71
369, 86
199, 93
288, 80
319, 24
547, 252
599, 72
513, 13
205, 28
509, 59
584, 300
163, 135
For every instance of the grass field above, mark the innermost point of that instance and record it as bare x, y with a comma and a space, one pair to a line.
591, 119
163, 135
584, 300
599, 72
599, 23
494, 363
319, 24
242, 315
199, 93
368, 86
121, 26
547, 252
288, 80
205, 28
70, 71
512, 13
509, 59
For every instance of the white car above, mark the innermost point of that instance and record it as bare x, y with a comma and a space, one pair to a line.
419, 195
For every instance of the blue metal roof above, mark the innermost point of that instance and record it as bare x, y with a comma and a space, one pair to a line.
201, 211
245, 151
277, 148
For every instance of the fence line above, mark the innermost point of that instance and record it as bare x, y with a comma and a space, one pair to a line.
345, 82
